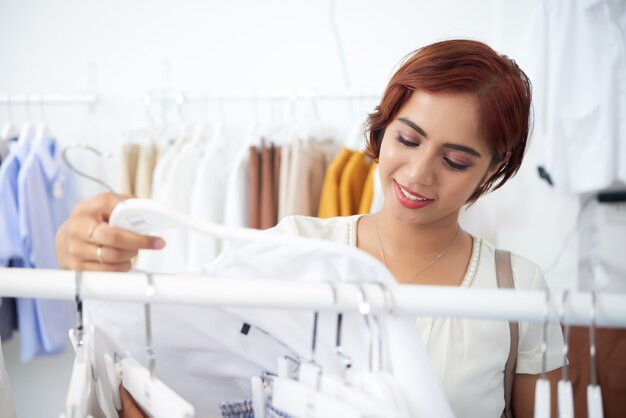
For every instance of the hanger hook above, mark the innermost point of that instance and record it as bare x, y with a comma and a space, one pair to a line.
365, 310
82, 174
544, 337
43, 113
592, 340
566, 336
79, 308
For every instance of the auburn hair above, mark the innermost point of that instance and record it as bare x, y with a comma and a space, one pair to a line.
501, 88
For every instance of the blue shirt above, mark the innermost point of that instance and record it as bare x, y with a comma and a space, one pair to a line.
46, 196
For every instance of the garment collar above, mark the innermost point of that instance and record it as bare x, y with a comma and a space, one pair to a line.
48, 155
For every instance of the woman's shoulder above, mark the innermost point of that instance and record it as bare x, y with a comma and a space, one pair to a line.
527, 274
339, 228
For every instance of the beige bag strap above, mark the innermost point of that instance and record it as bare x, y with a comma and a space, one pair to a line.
504, 275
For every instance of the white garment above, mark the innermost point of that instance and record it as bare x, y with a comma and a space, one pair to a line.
207, 202
283, 182
379, 197
203, 356
174, 192
6, 401
148, 154
468, 355
236, 202
575, 57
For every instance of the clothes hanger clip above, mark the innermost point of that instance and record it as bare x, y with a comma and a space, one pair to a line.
565, 391
542, 389
594, 393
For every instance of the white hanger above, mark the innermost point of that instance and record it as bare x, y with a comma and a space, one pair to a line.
594, 393
565, 392
43, 131
151, 394
9, 129
542, 389
27, 131
77, 401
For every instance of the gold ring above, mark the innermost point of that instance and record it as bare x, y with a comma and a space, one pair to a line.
92, 230
99, 254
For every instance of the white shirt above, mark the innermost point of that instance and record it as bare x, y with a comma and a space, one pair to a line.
207, 202
576, 60
468, 355
203, 356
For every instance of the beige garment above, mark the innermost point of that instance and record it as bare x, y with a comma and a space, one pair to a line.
129, 156
306, 177
268, 216
148, 155
254, 188
283, 181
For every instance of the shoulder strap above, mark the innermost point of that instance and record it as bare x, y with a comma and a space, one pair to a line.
504, 275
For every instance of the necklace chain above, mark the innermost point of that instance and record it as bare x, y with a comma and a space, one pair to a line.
428, 264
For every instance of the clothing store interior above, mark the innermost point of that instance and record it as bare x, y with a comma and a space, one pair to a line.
173, 176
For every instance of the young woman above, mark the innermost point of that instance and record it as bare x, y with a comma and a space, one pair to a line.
452, 125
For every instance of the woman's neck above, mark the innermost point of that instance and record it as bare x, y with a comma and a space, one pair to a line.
400, 239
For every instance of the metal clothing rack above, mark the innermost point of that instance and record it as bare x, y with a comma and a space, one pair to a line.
166, 96
89, 99
491, 304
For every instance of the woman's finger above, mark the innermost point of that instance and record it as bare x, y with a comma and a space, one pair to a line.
97, 232
130, 409
96, 266
100, 253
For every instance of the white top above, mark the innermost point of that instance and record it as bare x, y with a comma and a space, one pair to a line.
579, 91
468, 355
203, 355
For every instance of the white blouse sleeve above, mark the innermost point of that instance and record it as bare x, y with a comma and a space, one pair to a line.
529, 356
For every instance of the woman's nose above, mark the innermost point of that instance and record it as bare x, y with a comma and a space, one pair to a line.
422, 169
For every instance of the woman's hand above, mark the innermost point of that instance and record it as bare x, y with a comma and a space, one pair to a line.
87, 242
130, 409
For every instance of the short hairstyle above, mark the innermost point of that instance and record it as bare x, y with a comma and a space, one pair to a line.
502, 89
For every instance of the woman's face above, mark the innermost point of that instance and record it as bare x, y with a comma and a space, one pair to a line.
433, 158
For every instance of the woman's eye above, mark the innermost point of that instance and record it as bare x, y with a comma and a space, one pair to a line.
456, 166
406, 142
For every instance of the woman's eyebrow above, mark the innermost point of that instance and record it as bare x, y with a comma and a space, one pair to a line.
458, 147
413, 126
463, 148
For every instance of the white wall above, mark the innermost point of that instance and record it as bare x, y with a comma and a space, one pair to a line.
122, 49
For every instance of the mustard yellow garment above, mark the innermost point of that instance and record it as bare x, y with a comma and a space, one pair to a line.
352, 183
368, 191
329, 202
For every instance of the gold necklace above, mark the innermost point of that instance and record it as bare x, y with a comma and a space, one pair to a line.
428, 264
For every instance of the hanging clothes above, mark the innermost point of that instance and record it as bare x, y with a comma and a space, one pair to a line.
174, 192
268, 211
46, 195
580, 133
368, 190
254, 188
283, 182
207, 202
129, 160
329, 202
146, 163
219, 359
352, 183
7, 409
236, 206
378, 197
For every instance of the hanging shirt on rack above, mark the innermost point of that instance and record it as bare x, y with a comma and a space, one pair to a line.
254, 188
148, 156
219, 359
368, 190
236, 203
46, 194
268, 210
329, 202
11, 251
579, 91
129, 158
207, 202
6, 400
352, 183
174, 192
